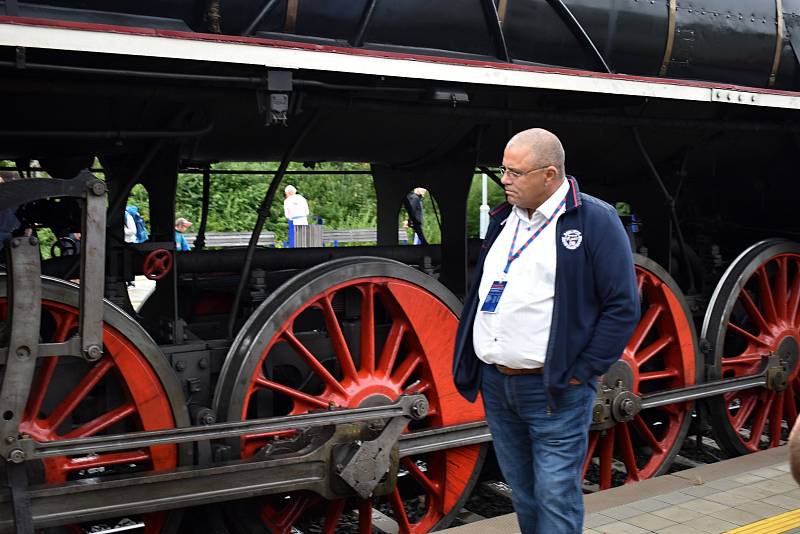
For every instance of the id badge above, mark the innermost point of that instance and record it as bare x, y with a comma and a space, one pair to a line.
493, 298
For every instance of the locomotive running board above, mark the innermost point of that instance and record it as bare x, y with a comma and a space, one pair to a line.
137, 42
148, 492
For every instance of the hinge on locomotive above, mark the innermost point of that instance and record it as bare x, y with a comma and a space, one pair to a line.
274, 102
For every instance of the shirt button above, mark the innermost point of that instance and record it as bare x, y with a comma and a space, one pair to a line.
495, 340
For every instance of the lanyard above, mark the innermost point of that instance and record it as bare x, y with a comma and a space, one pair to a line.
514, 255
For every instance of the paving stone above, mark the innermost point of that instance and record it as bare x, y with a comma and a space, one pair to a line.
736, 516
712, 525
750, 493
621, 512
783, 467
793, 531
747, 478
649, 521
597, 520
703, 506
590, 531
761, 509
648, 505
701, 491
729, 498
724, 484
784, 501
786, 478
622, 528
768, 472
794, 493
677, 514
676, 497
680, 529
773, 486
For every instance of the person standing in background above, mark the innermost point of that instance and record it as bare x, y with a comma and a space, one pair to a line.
181, 225
295, 206
415, 212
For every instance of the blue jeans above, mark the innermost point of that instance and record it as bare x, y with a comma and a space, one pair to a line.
540, 452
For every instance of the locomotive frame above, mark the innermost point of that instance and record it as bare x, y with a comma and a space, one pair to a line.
300, 77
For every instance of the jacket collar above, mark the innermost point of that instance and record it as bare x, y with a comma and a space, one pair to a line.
502, 211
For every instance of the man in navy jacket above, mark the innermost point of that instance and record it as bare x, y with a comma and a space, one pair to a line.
553, 301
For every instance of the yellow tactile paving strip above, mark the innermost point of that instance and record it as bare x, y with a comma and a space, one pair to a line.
771, 525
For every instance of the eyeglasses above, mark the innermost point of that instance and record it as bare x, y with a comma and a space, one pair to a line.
516, 174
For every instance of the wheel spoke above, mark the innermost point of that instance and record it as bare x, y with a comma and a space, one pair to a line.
640, 281
606, 458
794, 295
78, 393
776, 419
594, 436
645, 325
746, 406
753, 311
102, 460
647, 434
781, 290
644, 355
790, 406
367, 344
335, 509
338, 341
314, 363
407, 368
391, 348
101, 422
747, 359
364, 516
399, 508
657, 375
433, 490
262, 381
628, 456
64, 324
760, 419
747, 335
40, 387
765, 291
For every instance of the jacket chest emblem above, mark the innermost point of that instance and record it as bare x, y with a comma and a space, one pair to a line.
571, 239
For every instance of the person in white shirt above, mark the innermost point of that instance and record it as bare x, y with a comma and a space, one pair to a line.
295, 207
552, 304
130, 228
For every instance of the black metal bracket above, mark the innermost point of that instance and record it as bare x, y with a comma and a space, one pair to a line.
580, 33
496, 29
25, 295
363, 24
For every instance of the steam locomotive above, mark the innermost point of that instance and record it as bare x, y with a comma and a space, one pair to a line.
263, 389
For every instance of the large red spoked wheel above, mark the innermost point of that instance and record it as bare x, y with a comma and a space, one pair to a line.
752, 314
355, 332
661, 355
130, 388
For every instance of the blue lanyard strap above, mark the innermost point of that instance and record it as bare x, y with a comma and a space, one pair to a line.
514, 255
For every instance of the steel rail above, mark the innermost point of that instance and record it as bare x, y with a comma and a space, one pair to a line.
96, 444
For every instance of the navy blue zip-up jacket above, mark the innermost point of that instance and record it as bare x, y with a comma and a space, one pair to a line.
596, 305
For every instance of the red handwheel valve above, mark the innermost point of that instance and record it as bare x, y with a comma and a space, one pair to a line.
157, 264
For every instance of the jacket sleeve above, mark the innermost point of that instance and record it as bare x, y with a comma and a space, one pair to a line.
616, 289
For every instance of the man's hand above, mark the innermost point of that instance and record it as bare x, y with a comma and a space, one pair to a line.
574, 381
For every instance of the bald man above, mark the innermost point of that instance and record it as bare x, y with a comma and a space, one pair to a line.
552, 303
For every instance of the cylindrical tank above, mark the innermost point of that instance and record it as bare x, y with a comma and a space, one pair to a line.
747, 42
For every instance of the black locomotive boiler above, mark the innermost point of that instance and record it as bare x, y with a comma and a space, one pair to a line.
309, 389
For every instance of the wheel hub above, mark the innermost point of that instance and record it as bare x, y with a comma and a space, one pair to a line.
616, 402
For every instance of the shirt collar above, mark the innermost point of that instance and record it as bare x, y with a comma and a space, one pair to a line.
548, 206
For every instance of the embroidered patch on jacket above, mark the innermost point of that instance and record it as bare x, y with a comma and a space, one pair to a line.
572, 239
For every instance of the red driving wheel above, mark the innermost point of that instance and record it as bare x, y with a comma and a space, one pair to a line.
157, 264
661, 355
130, 388
357, 333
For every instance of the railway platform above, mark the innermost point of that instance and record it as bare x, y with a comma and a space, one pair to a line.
752, 494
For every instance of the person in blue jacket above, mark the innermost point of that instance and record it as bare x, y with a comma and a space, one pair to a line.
552, 303
181, 225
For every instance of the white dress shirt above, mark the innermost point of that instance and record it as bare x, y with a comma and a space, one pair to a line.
517, 333
295, 208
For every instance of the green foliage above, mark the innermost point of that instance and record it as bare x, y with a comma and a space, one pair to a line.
495, 194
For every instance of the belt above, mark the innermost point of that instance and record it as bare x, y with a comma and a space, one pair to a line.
510, 371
